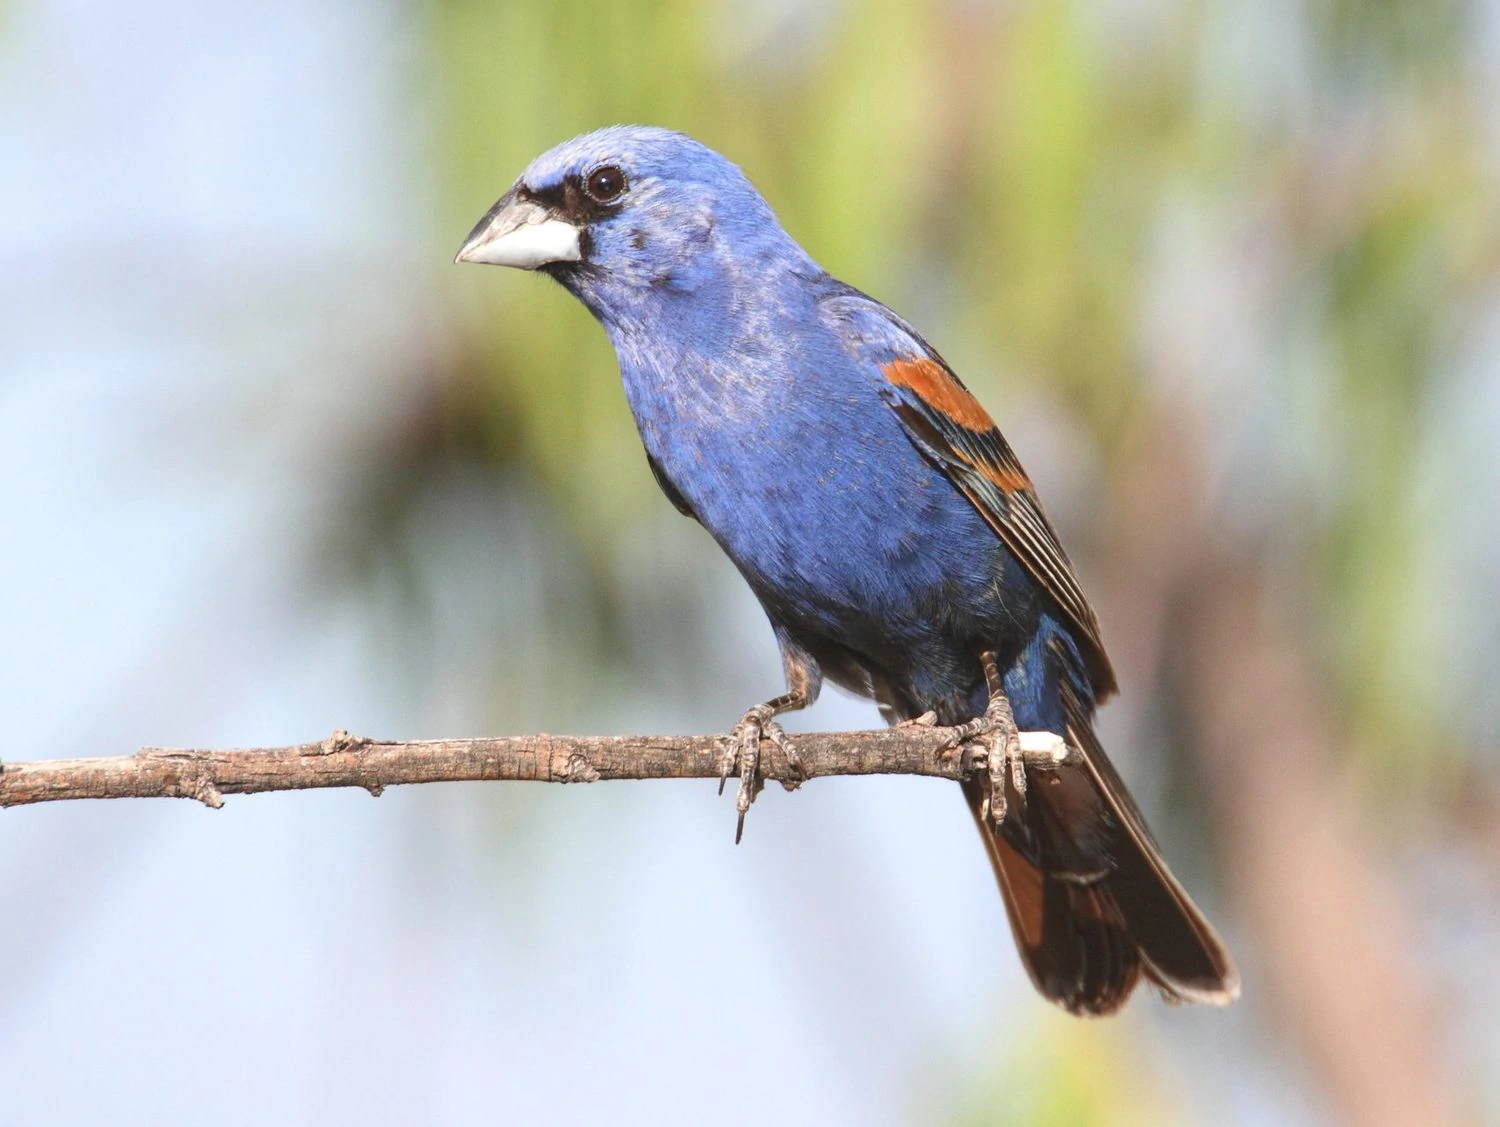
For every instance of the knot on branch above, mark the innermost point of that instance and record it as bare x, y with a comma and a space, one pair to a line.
187, 775
579, 769
341, 740
200, 786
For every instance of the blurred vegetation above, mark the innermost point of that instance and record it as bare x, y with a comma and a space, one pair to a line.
1043, 1083
1278, 222
1002, 175
1228, 274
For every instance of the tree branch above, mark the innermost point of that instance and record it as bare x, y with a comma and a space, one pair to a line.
343, 760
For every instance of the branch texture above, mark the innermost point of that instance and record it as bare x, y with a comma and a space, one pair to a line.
343, 760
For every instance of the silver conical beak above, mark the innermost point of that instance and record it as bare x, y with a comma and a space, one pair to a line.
523, 234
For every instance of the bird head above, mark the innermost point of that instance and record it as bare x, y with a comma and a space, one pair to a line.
632, 214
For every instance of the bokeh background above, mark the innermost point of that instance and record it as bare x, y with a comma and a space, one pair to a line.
1227, 272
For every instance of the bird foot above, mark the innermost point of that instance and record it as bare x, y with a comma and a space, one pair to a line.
741, 756
994, 743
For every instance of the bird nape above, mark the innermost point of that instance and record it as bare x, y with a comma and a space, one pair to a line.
897, 545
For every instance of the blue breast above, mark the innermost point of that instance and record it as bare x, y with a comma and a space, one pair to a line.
787, 454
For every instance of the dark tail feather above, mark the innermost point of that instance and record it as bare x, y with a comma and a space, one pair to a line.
1180, 950
1074, 945
1088, 931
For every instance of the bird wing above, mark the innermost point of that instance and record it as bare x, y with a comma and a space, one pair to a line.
947, 424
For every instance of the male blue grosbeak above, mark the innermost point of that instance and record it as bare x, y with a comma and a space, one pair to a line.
885, 525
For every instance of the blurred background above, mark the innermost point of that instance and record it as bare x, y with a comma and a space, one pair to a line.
1228, 273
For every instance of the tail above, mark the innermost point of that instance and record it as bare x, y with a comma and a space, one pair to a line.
1091, 902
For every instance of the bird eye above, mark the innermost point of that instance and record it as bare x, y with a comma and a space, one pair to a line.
605, 184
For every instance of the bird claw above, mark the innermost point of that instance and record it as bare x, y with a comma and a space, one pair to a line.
741, 756
928, 719
993, 742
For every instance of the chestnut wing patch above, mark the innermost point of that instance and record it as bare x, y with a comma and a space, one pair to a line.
949, 426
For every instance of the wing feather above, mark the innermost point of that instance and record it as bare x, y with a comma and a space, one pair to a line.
948, 425
983, 466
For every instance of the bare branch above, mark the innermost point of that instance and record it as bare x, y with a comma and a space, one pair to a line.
343, 760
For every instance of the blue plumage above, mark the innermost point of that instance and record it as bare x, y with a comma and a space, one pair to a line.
881, 519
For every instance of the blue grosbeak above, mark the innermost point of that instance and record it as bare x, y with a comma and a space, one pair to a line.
894, 540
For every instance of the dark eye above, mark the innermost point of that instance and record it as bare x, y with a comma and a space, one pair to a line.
605, 184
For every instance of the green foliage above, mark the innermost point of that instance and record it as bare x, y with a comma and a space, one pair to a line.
1003, 176
1042, 1080
1000, 176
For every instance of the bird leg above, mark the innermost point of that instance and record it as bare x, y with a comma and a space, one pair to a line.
742, 750
1006, 750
